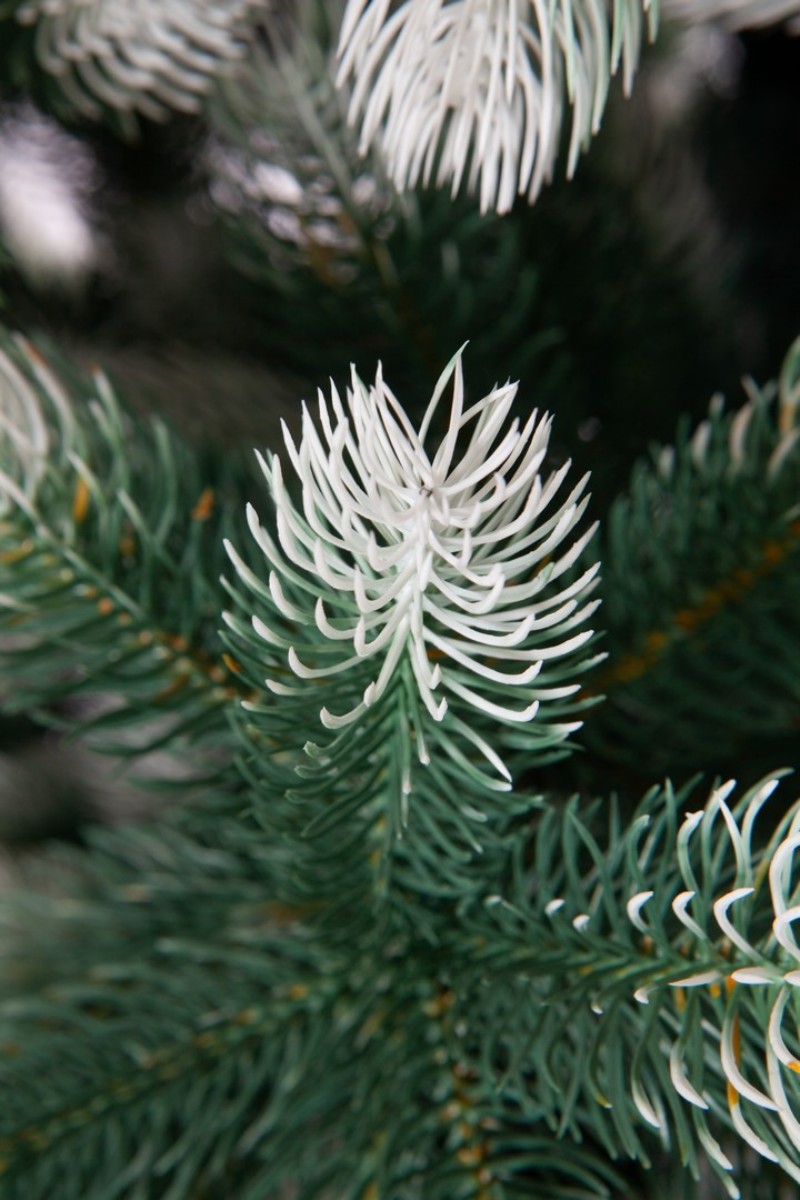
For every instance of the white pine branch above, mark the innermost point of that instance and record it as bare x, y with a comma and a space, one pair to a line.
755, 990
144, 56
474, 91
450, 566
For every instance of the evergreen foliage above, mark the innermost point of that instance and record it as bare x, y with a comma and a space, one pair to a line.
700, 568
338, 255
111, 552
445, 895
125, 60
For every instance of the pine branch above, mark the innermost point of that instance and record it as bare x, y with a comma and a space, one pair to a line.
123, 60
271, 1037
650, 976
590, 996
700, 594
343, 265
73, 912
413, 613
397, 975
111, 548
474, 94
158, 1011
118, 1091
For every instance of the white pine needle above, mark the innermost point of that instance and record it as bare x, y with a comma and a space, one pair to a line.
25, 433
422, 562
474, 91
771, 966
145, 56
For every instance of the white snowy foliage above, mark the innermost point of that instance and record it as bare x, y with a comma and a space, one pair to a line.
453, 566
144, 56
760, 1070
475, 91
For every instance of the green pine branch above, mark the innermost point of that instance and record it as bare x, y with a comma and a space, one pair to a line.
110, 550
588, 997
396, 704
700, 596
649, 972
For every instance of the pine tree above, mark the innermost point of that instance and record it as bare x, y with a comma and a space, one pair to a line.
419, 819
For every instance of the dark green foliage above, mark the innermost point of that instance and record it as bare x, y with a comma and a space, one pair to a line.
341, 260
109, 564
199, 1032
100, 63
702, 599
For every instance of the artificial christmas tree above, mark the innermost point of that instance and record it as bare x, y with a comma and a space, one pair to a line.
443, 889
